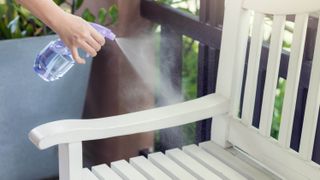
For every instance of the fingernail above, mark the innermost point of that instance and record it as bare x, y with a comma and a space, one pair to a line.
81, 61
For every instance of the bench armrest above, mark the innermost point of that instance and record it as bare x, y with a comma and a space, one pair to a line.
68, 131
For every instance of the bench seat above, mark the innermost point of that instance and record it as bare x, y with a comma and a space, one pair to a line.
207, 161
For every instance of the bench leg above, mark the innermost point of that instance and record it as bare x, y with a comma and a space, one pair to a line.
219, 131
70, 161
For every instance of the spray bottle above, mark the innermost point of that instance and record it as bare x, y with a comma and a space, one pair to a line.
55, 60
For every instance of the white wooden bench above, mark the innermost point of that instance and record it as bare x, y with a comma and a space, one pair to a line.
237, 149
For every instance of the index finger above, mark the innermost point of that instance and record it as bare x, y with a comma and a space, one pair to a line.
97, 36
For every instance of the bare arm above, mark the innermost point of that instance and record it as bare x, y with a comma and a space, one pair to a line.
73, 30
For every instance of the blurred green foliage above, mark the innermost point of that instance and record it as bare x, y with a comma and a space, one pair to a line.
18, 22
189, 6
278, 108
277, 112
189, 68
189, 82
103, 14
113, 13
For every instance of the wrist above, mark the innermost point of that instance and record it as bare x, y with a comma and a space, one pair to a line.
54, 22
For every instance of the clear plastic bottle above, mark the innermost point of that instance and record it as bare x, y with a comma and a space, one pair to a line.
55, 60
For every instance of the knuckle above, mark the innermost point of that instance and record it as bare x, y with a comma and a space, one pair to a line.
85, 34
79, 42
74, 38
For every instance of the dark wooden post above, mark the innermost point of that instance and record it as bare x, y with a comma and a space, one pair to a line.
110, 90
211, 13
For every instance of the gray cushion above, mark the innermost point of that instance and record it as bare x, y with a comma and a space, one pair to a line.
27, 101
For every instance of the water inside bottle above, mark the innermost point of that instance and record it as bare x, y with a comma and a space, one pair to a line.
53, 62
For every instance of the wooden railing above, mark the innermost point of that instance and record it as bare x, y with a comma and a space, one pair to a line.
207, 30
175, 24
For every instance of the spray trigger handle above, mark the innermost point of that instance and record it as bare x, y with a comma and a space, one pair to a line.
105, 32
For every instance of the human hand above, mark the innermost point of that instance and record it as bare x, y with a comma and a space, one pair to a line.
78, 33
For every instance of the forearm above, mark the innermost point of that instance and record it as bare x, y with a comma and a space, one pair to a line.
46, 10
72, 30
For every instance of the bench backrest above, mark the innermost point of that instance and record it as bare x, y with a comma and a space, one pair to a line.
276, 154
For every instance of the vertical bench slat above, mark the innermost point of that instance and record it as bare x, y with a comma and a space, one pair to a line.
272, 74
312, 105
229, 46
253, 68
293, 76
239, 64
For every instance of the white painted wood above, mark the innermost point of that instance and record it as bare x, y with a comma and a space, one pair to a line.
267, 151
212, 163
219, 130
70, 161
233, 162
282, 7
149, 170
191, 165
229, 46
293, 77
239, 62
270, 87
253, 69
170, 167
88, 175
103, 172
312, 105
60, 132
126, 171
231, 64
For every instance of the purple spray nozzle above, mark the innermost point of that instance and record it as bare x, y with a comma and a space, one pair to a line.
107, 33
